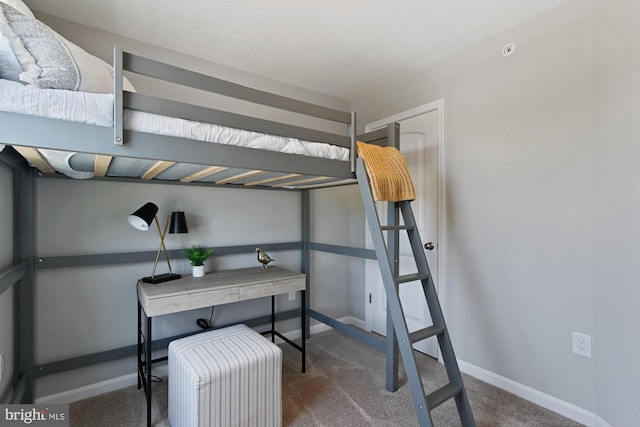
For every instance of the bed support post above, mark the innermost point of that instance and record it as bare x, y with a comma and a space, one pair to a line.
24, 251
353, 132
118, 58
306, 258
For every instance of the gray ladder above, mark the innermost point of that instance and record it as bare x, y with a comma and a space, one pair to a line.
424, 404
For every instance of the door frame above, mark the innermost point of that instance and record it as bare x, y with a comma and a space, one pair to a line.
441, 232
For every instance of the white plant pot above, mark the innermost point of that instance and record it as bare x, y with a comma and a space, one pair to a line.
198, 270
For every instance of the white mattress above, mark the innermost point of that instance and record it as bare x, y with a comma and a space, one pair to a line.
97, 109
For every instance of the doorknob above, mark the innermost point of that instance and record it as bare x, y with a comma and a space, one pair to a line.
429, 246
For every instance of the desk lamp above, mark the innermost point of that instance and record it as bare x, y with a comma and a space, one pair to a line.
176, 223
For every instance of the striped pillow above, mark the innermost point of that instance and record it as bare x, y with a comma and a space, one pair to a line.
49, 61
9, 65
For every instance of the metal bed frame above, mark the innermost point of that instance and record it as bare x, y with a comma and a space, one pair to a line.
38, 132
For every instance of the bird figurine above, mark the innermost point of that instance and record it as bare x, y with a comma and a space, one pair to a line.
263, 257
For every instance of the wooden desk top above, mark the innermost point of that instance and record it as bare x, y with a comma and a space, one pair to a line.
216, 288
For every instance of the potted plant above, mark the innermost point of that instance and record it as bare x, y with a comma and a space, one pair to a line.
196, 254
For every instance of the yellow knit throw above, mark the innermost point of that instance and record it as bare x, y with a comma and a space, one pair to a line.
388, 172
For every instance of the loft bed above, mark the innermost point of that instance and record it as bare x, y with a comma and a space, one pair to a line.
57, 141
72, 92
134, 135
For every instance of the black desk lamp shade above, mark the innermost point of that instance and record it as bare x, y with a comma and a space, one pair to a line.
143, 217
176, 223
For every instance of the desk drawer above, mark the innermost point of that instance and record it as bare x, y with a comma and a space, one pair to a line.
190, 301
271, 288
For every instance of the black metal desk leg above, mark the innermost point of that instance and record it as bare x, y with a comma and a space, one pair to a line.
149, 363
139, 332
303, 338
273, 318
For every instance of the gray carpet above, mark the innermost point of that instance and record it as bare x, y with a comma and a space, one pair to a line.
343, 386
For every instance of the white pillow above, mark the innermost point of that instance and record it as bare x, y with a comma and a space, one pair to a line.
49, 61
19, 6
9, 65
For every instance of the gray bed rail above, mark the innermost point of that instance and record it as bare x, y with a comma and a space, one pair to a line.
125, 61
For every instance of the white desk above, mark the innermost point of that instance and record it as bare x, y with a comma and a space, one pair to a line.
221, 287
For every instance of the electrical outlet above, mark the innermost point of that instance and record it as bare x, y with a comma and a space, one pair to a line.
2, 365
582, 344
292, 296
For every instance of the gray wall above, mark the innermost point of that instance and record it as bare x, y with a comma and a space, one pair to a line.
543, 200
6, 261
338, 221
85, 310
617, 192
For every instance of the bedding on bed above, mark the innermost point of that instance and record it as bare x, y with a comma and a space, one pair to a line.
9, 66
48, 60
97, 109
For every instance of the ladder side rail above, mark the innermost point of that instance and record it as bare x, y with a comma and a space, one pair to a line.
393, 249
437, 316
393, 299
393, 242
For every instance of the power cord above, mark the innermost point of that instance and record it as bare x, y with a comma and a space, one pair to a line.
154, 378
204, 323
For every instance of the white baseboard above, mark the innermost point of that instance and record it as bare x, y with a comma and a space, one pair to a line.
599, 422
554, 404
348, 320
124, 381
99, 388
321, 327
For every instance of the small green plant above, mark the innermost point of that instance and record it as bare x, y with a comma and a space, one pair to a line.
197, 254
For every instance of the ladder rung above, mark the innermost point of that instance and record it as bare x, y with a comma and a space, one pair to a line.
442, 394
423, 334
411, 277
397, 227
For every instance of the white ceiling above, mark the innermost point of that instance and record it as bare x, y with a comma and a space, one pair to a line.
336, 47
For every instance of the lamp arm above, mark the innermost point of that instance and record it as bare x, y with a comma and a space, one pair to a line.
164, 233
162, 247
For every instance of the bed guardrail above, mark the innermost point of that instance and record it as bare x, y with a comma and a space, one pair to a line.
125, 61
383, 136
353, 134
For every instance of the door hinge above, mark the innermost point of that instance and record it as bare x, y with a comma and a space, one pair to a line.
369, 298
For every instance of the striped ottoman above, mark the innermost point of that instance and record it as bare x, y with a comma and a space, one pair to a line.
227, 377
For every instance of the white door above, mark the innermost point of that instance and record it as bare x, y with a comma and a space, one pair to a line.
419, 144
